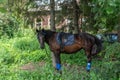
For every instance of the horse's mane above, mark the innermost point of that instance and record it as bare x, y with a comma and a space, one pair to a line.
49, 33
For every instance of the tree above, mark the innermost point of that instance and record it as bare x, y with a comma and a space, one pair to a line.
70, 11
75, 16
52, 15
98, 16
118, 31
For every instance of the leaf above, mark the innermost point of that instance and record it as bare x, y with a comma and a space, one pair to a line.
103, 19
109, 10
112, 3
3, 10
1, 1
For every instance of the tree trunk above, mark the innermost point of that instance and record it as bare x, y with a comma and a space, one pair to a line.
75, 16
118, 30
119, 35
52, 15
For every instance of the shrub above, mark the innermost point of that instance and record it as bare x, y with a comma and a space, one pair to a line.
112, 51
109, 68
27, 44
8, 25
6, 57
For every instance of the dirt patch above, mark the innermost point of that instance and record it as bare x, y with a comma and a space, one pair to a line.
74, 67
32, 66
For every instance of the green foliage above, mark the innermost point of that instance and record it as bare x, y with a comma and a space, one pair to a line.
25, 45
113, 51
106, 14
100, 15
6, 58
8, 22
111, 61
108, 68
8, 25
2, 7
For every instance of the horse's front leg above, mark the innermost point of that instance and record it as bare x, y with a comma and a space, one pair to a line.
89, 59
56, 60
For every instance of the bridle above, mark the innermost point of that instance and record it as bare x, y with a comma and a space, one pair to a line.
43, 35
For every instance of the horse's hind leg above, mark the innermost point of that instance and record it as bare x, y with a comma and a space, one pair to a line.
56, 60
89, 58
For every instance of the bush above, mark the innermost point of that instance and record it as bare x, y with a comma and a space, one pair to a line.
113, 51
27, 44
5, 57
8, 25
109, 68
111, 62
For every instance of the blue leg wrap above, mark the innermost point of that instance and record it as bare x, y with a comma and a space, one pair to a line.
88, 66
58, 66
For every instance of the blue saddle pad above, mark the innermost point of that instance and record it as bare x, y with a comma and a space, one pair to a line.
65, 38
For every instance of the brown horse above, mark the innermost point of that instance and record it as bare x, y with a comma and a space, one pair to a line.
69, 43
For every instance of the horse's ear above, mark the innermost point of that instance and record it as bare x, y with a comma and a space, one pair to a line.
37, 30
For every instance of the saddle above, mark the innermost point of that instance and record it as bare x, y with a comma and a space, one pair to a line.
65, 39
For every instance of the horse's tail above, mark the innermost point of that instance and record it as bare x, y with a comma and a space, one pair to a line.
97, 47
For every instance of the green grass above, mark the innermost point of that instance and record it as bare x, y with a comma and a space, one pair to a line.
24, 48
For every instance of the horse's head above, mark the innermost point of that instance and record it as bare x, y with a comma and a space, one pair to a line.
41, 38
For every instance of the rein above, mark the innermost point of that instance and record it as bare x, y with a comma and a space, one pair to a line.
46, 51
44, 43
